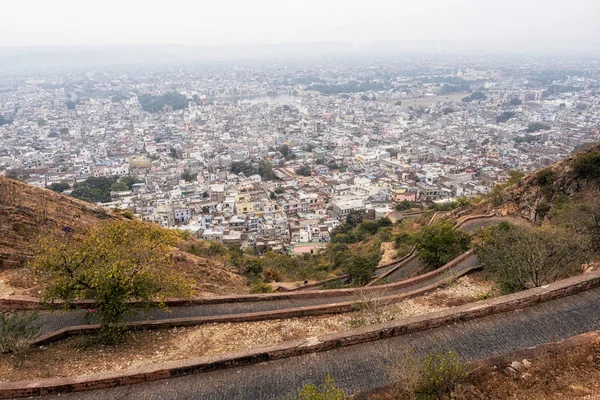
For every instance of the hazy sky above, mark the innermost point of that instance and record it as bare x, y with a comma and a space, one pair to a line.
213, 22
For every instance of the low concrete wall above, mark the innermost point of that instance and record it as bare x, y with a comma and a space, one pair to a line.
28, 303
472, 217
296, 312
290, 349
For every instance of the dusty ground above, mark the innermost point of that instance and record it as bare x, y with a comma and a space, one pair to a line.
388, 252
572, 375
70, 357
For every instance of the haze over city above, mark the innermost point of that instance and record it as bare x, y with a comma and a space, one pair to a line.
72, 22
266, 200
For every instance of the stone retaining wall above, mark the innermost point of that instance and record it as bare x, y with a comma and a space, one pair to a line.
290, 349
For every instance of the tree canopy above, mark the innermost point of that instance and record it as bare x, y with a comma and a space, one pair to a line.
59, 187
440, 243
523, 257
151, 103
115, 263
97, 189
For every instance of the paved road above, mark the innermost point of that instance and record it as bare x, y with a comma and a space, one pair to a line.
361, 367
472, 225
52, 321
412, 268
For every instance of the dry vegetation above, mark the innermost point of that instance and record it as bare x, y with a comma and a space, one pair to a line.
28, 211
569, 375
71, 357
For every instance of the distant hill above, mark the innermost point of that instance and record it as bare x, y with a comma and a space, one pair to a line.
26, 211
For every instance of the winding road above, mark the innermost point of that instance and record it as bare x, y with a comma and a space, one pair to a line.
55, 320
361, 367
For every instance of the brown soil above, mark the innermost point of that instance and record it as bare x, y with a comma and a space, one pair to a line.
27, 211
570, 375
70, 357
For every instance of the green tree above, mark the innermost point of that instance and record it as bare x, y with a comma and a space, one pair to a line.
129, 181
114, 264
265, 170
361, 269
523, 257
354, 218
405, 205
587, 165
94, 189
59, 187
537, 126
584, 218
284, 150
440, 243
304, 170
515, 178
118, 187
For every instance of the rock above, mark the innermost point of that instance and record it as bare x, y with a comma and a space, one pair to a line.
517, 366
526, 376
526, 363
510, 371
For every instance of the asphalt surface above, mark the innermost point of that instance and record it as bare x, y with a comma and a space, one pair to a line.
53, 320
363, 366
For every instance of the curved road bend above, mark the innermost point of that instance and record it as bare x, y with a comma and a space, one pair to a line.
361, 367
52, 321
474, 224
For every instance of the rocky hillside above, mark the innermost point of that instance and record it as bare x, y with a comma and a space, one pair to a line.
575, 177
27, 211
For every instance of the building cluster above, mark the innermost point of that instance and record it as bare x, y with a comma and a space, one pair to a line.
276, 155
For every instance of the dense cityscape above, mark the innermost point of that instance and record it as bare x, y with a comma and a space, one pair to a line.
274, 154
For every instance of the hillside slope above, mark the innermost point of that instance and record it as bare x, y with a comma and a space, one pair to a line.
575, 177
27, 211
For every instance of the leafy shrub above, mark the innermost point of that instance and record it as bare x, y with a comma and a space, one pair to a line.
385, 234
116, 262
441, 373
328, 391
433, 376
542, 209
587, 166
17, 331
184, 234
545, 177
271, 275
495, 196
128, 214
440, 243
361, 269
261, 287
522, 257
369, 227
405, 205
253, 267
